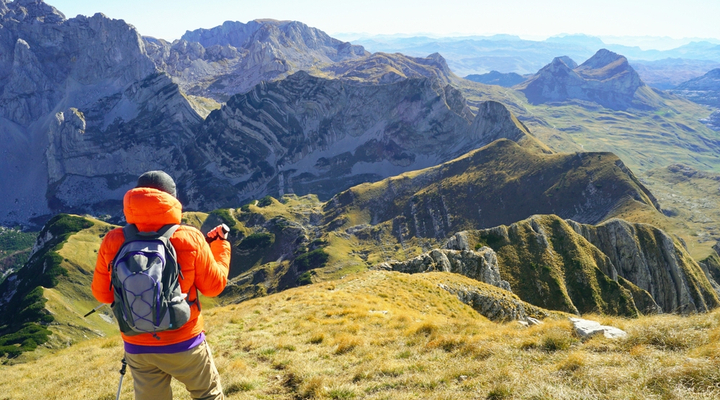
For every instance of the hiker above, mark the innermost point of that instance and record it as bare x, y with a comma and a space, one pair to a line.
179, 352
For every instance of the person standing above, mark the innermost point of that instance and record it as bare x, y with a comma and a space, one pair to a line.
155, 358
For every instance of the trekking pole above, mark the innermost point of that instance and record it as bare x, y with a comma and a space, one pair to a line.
94, 309
122, 375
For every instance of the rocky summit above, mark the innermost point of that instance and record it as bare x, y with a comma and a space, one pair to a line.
606, 79
233, 57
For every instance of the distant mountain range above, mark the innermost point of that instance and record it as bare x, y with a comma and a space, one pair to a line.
506, 53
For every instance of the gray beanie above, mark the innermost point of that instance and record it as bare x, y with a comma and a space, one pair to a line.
158, 180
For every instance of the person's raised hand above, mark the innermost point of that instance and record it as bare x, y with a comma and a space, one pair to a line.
218, 232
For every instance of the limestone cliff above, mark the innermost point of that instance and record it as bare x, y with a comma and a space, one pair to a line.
51, 65
655, 262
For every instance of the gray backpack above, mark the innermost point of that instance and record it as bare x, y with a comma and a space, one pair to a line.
145, 276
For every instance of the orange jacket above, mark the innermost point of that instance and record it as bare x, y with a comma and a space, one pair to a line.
203, 266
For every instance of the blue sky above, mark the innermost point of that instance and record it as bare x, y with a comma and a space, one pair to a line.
530, 19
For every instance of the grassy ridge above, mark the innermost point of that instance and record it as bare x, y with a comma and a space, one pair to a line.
551, 266
24, 316
380, 335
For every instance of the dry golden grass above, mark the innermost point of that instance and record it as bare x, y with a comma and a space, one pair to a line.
385, 335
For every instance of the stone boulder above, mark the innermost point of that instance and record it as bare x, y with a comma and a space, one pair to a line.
587, 329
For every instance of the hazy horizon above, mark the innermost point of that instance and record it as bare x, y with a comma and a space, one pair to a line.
614, 21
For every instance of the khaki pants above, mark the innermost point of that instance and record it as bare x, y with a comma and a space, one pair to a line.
194, 368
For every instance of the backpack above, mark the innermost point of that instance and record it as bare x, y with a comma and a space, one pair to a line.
145, 273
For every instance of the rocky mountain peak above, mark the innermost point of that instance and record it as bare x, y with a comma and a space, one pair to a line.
606, 78
232, 58
286, 34
567, 60
602, 58
232, 33
29, 10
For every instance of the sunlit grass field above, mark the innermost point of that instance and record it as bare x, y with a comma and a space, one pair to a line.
386, 335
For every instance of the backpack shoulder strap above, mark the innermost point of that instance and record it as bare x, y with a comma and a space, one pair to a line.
168, 230
131, 232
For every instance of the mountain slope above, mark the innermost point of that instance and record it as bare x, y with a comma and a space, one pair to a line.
311, 135
498, 184
389, 68
390, 335
42, 303
612, 267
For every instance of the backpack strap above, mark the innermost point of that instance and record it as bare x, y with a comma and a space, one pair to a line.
132, 233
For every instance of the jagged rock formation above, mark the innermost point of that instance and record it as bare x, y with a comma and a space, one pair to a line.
606, 78
95, 153
615, 267
480, 265
311, 135
234, 57
499, 184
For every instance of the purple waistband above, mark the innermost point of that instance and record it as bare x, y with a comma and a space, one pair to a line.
166, 349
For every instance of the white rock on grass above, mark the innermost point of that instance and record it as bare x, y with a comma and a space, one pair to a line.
586, 329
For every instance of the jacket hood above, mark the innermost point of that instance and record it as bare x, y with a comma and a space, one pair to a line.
150, 208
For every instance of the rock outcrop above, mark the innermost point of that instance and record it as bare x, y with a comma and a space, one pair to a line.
606, 79
480, 265
587, 329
